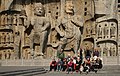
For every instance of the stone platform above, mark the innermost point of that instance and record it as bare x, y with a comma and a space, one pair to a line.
21, 70
21, 62
46, 62
107, 70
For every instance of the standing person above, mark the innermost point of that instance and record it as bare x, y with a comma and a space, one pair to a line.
96, 53
60, 54
87, 53
68, 57
81, 54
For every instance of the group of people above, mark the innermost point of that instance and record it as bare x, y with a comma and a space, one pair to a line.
77, 64
67, 64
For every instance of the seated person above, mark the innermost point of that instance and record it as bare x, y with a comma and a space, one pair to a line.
74, 61
64, 65
93, 64
70, 66
87, 64
53, 65
99, 63
59, 65
78, 64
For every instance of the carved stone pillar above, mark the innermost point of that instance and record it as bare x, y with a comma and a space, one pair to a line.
93, 30
6, 22
23, 54
0, 55
3, 54
114, 51
29, 55
11, 37
10, 53
99, 32
17, 45
26, 54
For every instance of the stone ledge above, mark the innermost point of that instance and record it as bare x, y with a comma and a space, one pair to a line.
42, 62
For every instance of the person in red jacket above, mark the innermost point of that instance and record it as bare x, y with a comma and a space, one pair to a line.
53, 65
70, 66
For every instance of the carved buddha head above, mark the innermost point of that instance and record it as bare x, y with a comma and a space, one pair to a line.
39, 9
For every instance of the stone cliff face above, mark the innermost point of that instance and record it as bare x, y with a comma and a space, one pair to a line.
99, 20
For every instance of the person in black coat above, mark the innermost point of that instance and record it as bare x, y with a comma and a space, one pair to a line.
87, 53
78, 64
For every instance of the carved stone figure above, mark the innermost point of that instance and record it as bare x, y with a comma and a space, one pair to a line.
7, 54
3, 38
12, 56
113, 52
0, 38
99, 32
105, 51
41, 28
106, 31
3, 54
6, 22
2, 20
88, 31
112, 31
93, 30
68, 28
9, 20
14, 19
8, 38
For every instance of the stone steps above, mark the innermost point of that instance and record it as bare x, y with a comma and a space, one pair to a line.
25, 72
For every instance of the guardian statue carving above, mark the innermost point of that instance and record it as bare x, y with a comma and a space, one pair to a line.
68, 28
41, 28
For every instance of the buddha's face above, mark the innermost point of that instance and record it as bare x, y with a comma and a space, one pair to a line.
39, 10
69, 7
